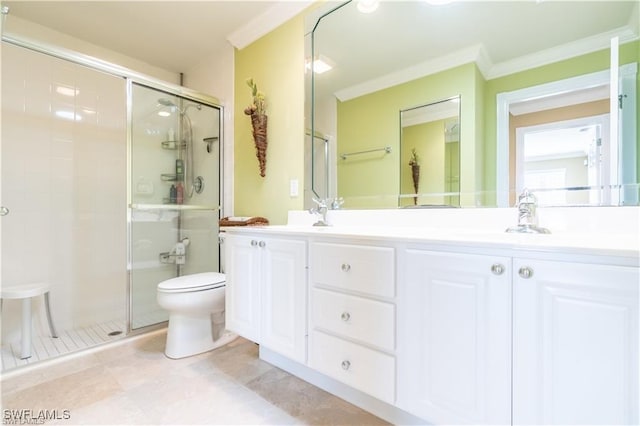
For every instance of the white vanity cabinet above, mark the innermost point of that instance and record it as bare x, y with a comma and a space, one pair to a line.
454, 337
266, 291
575, 343
418, 330
498, 340
352, 316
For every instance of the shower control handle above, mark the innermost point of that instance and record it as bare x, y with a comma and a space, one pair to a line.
4, 211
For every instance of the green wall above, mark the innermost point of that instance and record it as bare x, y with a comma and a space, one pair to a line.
373, 180
276, 63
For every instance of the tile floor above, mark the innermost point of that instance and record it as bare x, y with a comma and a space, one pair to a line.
133, 383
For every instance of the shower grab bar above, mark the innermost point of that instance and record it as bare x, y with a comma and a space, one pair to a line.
386, 149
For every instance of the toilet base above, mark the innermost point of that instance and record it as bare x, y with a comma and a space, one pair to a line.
192, 335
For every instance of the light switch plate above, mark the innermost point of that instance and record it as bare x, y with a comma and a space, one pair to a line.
293, 187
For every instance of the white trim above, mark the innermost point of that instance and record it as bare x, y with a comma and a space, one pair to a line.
559, 53
464, 56
266, 22
488, 69
614, 114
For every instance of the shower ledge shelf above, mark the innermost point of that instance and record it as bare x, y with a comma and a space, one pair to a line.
173, 207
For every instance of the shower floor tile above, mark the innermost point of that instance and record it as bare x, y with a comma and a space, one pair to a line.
68, 341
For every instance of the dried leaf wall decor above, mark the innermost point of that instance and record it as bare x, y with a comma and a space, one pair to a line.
257, 112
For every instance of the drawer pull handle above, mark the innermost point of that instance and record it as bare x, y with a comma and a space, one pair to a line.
345, 267
254, 243
262, 244
345, 316
525, 272
345, 365
497, 269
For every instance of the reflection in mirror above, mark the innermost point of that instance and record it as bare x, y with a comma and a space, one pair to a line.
430, 155
318, 157
559, 144
408, 53
565, 161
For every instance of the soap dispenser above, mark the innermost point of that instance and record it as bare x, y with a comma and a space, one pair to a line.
173, 194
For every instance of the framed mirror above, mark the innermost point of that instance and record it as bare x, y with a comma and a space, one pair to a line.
404, 54
430, 155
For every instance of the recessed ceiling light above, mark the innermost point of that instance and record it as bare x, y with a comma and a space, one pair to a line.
320, 64
164, 113
439, 2
368, 6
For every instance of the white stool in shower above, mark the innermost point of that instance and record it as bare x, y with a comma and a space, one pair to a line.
26, 292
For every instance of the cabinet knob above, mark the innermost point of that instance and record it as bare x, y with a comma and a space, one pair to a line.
345, 267
497, 269
346, 316
262, 244
346, 364
254, 243
525, 272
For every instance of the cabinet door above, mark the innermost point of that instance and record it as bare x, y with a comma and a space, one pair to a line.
575, 343
242, 300
454, 337
284, 297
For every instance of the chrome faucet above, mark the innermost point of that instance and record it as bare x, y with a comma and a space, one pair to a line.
322, 207
527, 215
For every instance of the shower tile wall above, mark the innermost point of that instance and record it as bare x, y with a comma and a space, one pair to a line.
64, 179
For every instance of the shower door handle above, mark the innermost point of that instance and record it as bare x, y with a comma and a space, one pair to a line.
4, 211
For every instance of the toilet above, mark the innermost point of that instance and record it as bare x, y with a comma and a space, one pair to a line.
196, 313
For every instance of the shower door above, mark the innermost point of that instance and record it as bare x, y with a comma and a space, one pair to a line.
64, 183
174, 204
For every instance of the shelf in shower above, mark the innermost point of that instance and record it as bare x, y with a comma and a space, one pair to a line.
170, 177
137, 206
172, 145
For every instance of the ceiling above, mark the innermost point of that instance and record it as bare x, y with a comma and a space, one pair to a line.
403, 40
173, 35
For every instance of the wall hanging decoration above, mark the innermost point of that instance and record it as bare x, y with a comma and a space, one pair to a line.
415, 172
258, 116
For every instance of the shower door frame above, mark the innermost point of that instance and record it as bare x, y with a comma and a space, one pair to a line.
130, 77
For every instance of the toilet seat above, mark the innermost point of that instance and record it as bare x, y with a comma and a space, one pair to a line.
192, 283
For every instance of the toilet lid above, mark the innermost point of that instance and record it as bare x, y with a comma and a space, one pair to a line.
193, 282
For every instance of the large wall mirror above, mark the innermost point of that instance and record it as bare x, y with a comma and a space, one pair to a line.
365, 66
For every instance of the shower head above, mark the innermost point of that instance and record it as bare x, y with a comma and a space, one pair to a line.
169, 103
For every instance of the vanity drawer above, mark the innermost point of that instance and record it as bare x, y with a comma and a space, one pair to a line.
369, 321
367, 370
364, 269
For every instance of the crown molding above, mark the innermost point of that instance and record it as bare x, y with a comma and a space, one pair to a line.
460, 57
559, 53
266, 22
488, 69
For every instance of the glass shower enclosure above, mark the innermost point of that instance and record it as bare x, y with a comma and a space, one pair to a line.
175, 194
110, 184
